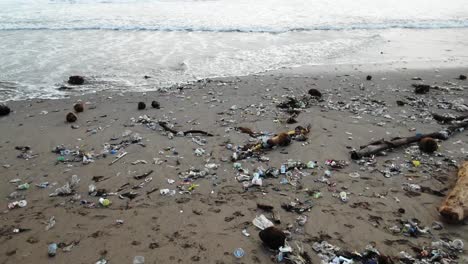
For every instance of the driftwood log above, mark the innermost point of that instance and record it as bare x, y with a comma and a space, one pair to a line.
455, 206
448, 119
382, 145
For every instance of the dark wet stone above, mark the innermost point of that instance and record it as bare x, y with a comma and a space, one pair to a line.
4, 110
155, 105
79, 107
428, 145
315, 93
71, 117
141, 106
76, 80
272, 237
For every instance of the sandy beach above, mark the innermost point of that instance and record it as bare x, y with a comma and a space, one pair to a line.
205, 218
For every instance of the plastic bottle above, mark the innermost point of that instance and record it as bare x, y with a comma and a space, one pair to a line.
23, 186
43, 185
139, 260
283, 169
311, 164
52, 250
344, 197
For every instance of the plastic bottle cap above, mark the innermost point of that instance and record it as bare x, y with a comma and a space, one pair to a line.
104, 202
239, 253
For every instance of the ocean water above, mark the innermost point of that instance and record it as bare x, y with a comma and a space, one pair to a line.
114, 43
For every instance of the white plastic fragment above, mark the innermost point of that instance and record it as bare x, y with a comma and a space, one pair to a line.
262, 222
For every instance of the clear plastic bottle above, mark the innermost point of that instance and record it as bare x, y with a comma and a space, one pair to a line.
139, 260
52, 250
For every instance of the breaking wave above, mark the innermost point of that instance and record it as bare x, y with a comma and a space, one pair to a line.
447, 24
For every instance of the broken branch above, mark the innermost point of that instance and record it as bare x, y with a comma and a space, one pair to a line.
448, 119
381, 145
166, 128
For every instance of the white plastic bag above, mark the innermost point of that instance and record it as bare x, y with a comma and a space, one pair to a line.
262, 222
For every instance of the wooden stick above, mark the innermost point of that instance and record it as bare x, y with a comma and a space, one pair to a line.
381, 145
118, 158
166, 128
455, 206
142, 176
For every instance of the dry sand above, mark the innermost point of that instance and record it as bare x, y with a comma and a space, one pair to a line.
206, 225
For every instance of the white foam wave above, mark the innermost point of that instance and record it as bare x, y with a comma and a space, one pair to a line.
118, 61
274, 16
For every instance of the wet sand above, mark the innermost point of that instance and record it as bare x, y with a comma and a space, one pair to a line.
206, 225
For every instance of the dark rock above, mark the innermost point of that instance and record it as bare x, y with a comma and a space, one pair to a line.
272, 237
146, 77
79, 107
76, 80
462, 77
4, 110
141, 106
265, 207
71, 117
369, 77
428, 145
400, 103
421, 88
315, 93
155, 105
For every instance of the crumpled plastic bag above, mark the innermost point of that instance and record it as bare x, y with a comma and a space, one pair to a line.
262, 222
66, 189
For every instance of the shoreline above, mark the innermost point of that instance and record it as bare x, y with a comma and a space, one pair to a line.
303, 70
207, 224
109, 67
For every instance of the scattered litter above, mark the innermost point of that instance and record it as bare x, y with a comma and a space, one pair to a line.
17, 204
50, 223
239, 253
118, 158
52, 250
104, 202
199, 152
167, 192
262, 222
139, 162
